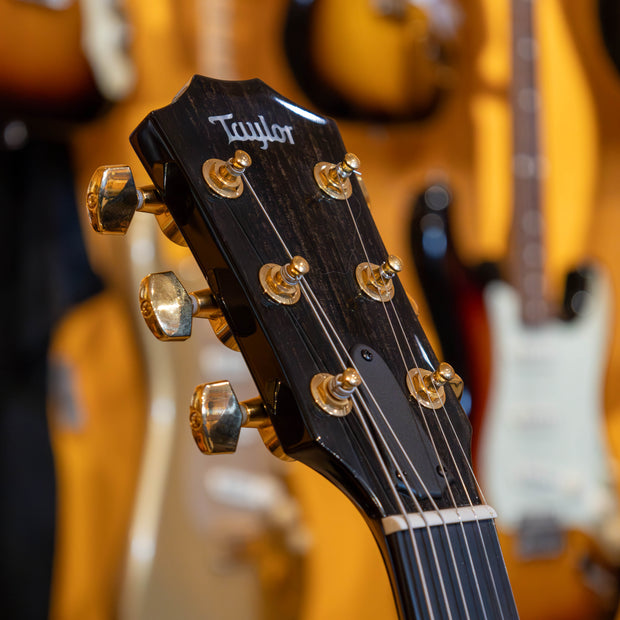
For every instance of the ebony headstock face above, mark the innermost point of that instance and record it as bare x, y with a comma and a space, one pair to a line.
389, 451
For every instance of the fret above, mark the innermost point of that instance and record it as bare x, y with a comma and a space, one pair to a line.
526, 269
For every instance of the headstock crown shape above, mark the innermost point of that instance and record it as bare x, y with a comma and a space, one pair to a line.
268, 201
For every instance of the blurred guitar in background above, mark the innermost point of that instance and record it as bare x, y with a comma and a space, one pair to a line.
56, 73
255, 40
226, 531
62, 59
541, 442
381, 60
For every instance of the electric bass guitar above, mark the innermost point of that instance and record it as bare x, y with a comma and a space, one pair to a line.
269, 202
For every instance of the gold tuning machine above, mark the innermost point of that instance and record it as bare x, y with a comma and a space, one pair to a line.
216, 418
333, 393
168, 309
376, 280
112, 198
224, 177
428, 386
281, 282
333, 179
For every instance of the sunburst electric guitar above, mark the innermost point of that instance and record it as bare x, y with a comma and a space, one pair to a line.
269, 202
62, 59
403, 50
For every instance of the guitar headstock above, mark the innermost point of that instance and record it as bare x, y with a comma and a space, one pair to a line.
269, 202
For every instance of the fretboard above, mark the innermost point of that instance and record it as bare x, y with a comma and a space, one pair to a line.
449, 571
526, 269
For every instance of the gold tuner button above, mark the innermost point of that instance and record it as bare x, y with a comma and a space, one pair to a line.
168, 308
332, 393
376, 280
216, 417
224, 177
281, 282
428, 386
333, 179
112, 198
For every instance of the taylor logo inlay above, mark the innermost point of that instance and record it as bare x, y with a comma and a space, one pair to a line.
256, 131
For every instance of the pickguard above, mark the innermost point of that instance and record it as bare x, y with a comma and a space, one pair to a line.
543, 452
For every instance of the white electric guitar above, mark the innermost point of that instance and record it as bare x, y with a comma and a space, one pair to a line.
543, 454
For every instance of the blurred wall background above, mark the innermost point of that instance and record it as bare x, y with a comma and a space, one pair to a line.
106, 432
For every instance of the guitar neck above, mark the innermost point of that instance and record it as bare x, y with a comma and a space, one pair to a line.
526, 270
348, 382
448, 571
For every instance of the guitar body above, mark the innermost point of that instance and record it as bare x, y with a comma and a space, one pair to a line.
382, 61
543, 432
543, 454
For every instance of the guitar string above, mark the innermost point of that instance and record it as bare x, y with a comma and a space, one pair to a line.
477, 521
445, 439
481, 536
450, 491
410, 492
438, 421
428, 429
313, 306
459, 442
453, 500
424, 417
386, 447
471, 471
440, 425
394, 460
379, 456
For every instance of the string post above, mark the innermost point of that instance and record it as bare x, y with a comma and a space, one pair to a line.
333, 393
333, 179
225, 177
428, 386
282, 282
376, 280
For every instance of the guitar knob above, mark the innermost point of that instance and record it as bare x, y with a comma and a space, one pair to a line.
112, 198
216, 417
168, 309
